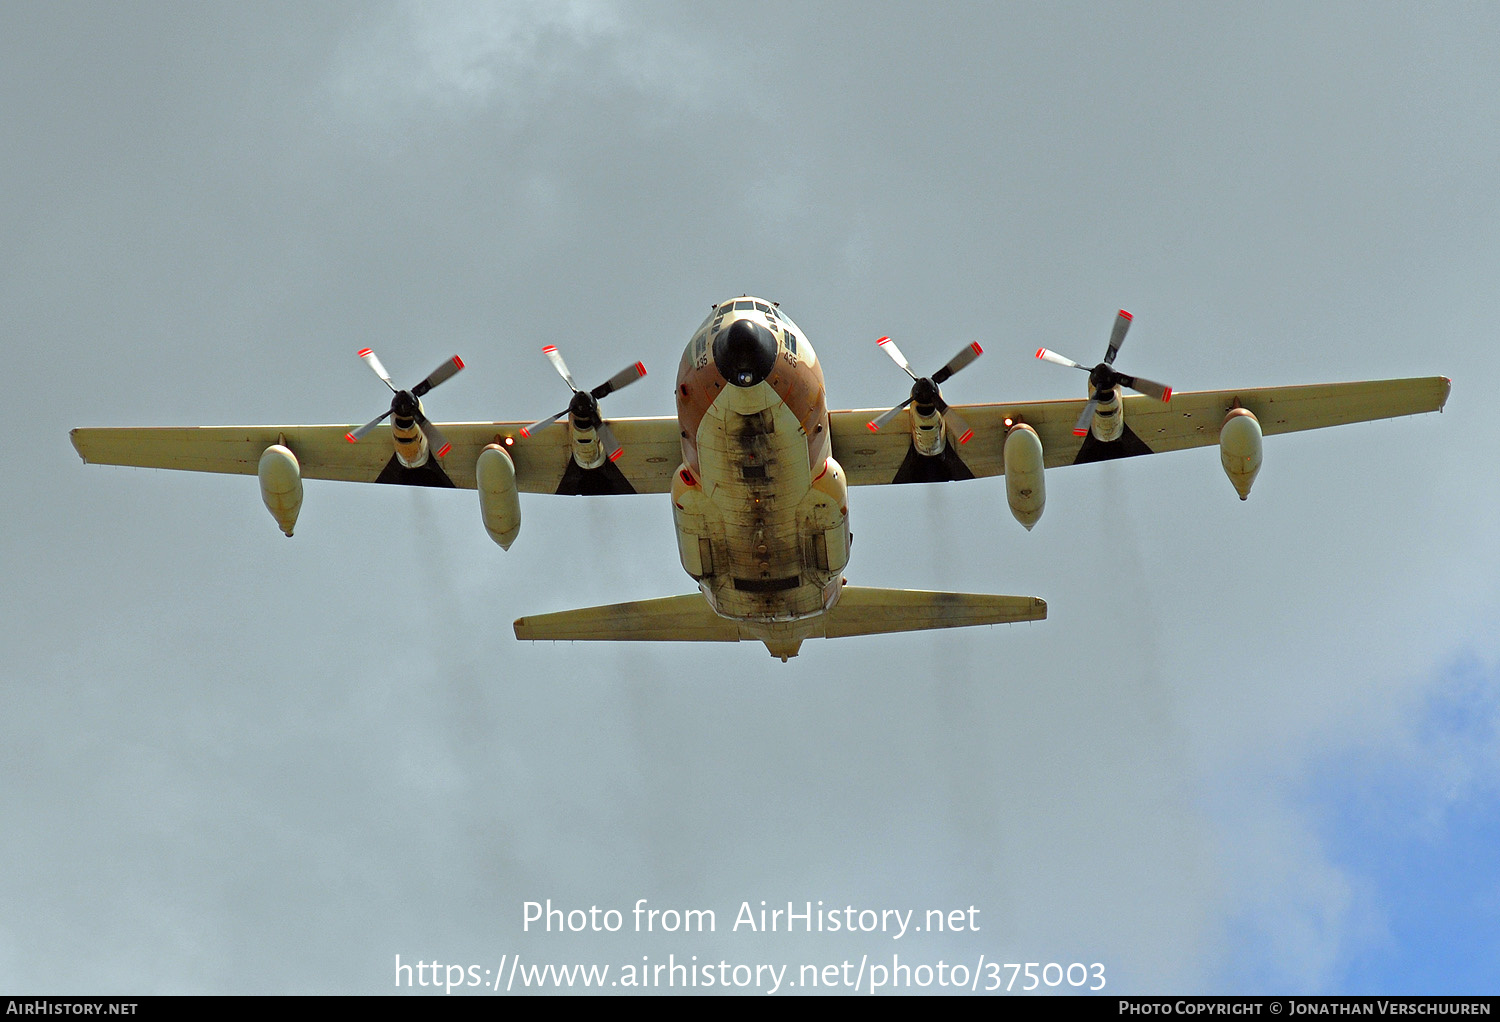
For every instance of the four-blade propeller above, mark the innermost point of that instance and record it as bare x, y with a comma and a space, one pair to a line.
925, 392
1104, 377
407, 404
585, 403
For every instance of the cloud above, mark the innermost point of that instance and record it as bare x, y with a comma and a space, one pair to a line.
465, 60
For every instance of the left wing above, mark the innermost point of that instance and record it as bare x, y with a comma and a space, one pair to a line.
650, 453
1191, 419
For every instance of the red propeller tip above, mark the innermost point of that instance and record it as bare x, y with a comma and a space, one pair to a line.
365, 351
977, 349
526, 432
872, 427
1041, 353
444, 452
350, 437
883, 341
616, 456
1080, 432
458, 361
549, 349
968, 435
1166, 395
1126, 315
640, 367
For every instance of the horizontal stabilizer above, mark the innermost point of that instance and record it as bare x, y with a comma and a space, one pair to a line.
860, 611
672, 619
863, 611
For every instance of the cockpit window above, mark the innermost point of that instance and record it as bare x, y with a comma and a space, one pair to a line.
744, 306
763, 307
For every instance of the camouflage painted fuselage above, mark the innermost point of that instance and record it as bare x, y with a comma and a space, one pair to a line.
759, 502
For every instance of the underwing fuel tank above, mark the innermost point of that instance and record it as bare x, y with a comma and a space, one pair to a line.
1025, 485
281, 485
1240, 449
499, 501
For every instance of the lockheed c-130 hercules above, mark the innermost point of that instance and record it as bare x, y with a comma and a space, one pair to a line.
758, 468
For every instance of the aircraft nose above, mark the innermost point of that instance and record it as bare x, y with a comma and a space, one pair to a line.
745, 353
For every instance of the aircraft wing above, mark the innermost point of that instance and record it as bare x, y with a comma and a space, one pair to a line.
1190, 419
650, 453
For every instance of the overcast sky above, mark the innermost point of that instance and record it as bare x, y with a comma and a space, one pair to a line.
1255, 747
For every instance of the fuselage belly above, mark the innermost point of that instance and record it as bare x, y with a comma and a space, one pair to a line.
760, 504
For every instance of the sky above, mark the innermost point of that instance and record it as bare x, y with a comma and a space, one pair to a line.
1255, 747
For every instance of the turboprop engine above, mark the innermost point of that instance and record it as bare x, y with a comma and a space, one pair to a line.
499, 501
593, 441
1103, 413
929, 412
1025, 486
1240, 449
281, 485
410, 428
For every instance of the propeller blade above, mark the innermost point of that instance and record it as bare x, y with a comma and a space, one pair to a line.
555, 357
374, 363
620, 379
961, 431
1086, 419
957, 362
612, 448
874, 424
436, 442
444, 372
537, 427
1047, 355
361, 431
1117, 336
1148, 387
890, 349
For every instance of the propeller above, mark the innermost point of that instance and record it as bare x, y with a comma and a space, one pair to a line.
407, 404
585, 404
1105, 377
925, 392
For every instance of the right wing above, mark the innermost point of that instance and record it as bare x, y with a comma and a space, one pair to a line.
1190, 419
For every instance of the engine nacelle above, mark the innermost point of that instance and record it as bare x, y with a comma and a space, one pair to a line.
281, 485
927, 433
410, 441
1109, 415
1240, 449
1025, 484
499, 501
